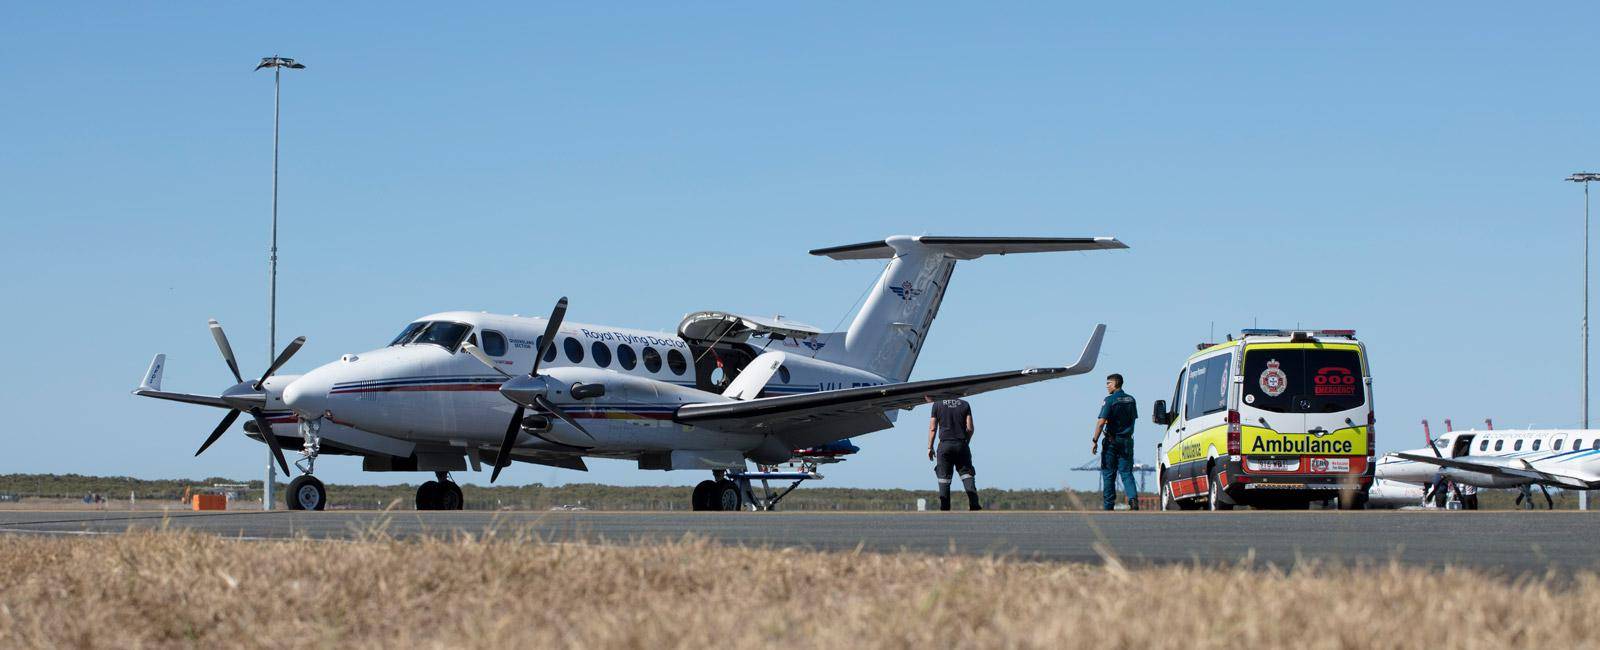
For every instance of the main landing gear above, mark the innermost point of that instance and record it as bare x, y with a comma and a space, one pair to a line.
732, 490
305, 491
442, 494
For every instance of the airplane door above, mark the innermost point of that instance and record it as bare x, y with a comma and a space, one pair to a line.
1462, 446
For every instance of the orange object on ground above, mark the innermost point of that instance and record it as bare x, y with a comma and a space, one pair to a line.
210, 502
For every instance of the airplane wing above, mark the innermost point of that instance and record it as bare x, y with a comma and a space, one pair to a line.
1519, 469
857, 408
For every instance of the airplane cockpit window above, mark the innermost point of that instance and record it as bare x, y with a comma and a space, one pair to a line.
494, 343
444, 334
601, 354
408, 333
574, 349
652, 359
626, 357
676, 362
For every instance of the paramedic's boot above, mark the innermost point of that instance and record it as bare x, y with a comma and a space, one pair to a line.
972, 501
1133, 503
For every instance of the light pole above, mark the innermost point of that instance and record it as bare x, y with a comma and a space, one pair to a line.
277, 63
1585, 178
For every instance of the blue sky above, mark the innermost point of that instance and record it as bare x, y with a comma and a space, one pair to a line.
1396, 169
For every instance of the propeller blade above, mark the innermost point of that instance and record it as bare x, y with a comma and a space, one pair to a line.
265, 428
283, 357
549, 340
484, 359
227, 421
546, 404
227, 350
502, 459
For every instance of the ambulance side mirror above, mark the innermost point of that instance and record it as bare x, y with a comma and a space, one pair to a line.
1159, 414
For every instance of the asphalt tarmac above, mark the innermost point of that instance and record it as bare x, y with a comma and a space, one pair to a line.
1511, 542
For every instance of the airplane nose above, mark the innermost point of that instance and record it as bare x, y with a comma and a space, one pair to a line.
308, 395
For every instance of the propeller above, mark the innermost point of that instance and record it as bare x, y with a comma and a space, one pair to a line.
532, 387
247, 397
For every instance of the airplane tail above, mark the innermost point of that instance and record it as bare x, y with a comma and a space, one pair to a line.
887, 334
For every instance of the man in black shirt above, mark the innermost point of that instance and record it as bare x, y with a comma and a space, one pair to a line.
951, 424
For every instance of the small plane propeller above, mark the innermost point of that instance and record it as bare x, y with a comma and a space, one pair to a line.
248, 397
532, 388
1427, 433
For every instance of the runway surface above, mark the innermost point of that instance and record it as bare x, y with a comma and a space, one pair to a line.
1514, 542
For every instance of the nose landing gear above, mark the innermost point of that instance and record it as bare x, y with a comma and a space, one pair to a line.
305, 491
442, 494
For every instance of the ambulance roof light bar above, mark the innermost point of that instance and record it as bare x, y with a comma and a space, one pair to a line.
1265, 331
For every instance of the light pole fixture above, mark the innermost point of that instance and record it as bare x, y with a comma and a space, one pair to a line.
1585, 178
277, 63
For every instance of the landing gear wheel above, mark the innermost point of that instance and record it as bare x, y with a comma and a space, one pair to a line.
727, 496
450, 497
703, 498
1214, 492
428, 495
306, 493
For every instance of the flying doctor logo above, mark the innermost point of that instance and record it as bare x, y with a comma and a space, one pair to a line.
813, 344
906, 290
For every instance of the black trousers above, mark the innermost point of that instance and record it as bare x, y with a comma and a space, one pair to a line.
954, 458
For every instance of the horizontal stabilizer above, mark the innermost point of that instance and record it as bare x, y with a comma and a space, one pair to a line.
967, 248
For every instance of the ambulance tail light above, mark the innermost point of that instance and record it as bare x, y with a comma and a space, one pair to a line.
1372, 433
1234, 431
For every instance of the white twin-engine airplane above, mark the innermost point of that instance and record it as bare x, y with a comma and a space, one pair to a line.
464, 388
1503, 458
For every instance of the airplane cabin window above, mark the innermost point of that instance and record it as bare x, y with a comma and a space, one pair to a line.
1499, 444
1558, 444
626, 357
444, 334
1536, 444
1517, 446
494, 343
602, 354
407, 334
574, 349
783, 374
676, 362
1577, 444
652, 359
1483, 446
538, 344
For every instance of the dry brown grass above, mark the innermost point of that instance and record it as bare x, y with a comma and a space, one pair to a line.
192, 590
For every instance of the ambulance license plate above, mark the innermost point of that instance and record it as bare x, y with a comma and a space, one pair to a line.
1272, 465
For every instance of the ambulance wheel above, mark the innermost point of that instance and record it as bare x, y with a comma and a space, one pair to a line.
701, 498
727, 496
1214, 492
306, 493
1166, 494
428, 496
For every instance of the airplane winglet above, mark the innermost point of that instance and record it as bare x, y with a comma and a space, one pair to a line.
1091, 352
152, 377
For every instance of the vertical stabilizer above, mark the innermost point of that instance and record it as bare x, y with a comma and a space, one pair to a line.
887, 334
